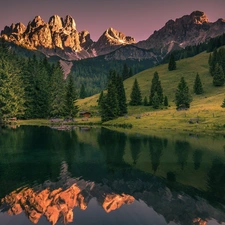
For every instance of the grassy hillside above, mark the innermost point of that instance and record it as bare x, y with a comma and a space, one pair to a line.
206, 106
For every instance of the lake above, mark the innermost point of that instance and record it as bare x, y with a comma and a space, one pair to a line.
99, 176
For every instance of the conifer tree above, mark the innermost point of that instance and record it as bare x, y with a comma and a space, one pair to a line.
125, 72
198, 85
42, 91
182, 95
172, 63
135, 96
212, 61
223, 104
71, 96
109, 104
57, 93
145, 102
82, 92
156, 87
121, 96
155, 101
165, 101
218, 76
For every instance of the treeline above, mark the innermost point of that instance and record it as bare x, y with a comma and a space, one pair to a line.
191, 51
31, 88
93, 72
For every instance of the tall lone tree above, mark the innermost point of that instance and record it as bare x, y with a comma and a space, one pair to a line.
71, 97
57, 93
198, 85
182, 95
156, 88
109, 103
121, 96
135, 95
172, 63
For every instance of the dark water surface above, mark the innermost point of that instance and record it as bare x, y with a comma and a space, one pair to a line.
97, 176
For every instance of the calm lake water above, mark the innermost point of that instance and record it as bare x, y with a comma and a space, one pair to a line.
97, 176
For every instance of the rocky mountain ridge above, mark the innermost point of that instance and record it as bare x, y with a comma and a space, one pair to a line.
60, 37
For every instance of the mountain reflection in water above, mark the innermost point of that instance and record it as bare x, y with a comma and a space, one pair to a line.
64, 176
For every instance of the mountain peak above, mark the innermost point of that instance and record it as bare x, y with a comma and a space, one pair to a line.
69, 23
199, 17
55, 22
36, 22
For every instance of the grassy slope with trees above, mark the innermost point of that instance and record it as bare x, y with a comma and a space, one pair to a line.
206, 106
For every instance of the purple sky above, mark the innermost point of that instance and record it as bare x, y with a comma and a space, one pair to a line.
136, 18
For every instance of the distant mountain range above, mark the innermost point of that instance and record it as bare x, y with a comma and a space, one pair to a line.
59, 37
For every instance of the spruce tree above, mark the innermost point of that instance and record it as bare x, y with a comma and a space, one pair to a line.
198, 85
155, 101
82, 92
172, 63
182, 95
156, 87
135, 96
71, 96
223, 104
109, 104
165, 101
125, 72
218, 76
121, 96
212, 61
145, 102
57, 93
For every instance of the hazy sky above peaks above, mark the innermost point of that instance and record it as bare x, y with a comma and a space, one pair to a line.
136, 18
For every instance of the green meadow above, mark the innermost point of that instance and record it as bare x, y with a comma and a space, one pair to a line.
206, 107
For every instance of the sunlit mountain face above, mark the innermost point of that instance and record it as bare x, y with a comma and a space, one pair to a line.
98, 176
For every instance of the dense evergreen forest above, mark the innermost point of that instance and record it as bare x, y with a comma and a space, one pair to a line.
32, 88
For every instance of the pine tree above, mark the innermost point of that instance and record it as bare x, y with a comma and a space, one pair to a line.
166, 101
156, 87
212, 61
71, 97
145, 102
155, 101
125, 72
182, 95
82, 92
109, 104
198, 85
223, 104
172, 63
57, 93
42, 91
135, 94
121, 96
218, 76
